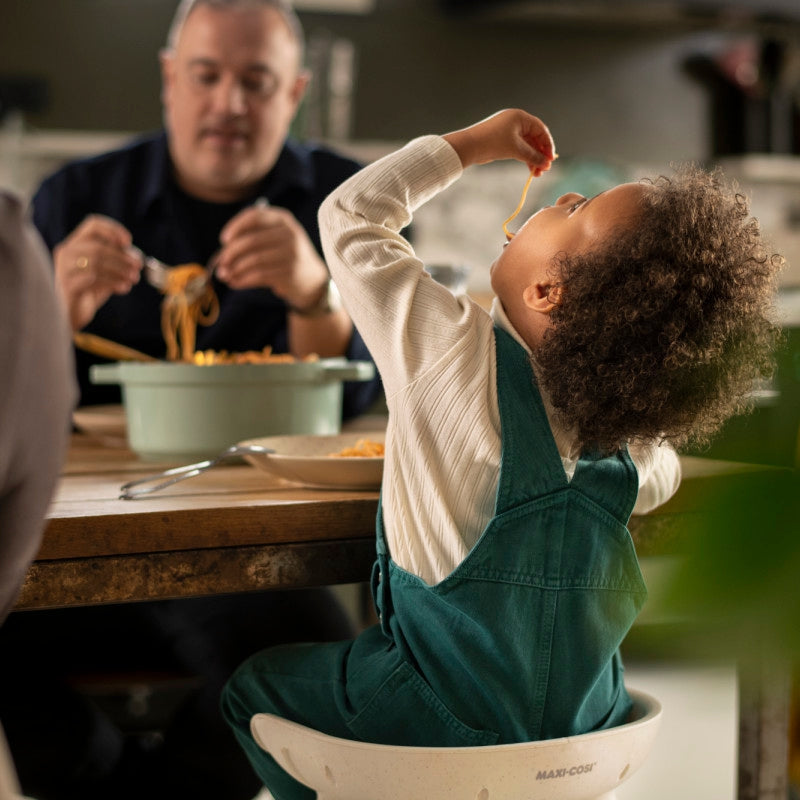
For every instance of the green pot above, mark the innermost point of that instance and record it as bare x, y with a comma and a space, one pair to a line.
184, 411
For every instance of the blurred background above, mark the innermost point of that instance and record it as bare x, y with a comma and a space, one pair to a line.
628, 87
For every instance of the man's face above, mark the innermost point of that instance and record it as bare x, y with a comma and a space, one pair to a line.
231, 88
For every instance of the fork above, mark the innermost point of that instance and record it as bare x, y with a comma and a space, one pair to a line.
156, 271
156, 274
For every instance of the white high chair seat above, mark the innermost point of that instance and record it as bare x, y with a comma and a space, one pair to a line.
585, 767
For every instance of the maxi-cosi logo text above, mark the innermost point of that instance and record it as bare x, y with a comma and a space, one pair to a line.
564, 772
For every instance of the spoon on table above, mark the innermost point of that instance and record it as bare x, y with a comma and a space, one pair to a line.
161, 480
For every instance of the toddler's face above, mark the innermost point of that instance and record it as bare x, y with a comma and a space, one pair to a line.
572, 225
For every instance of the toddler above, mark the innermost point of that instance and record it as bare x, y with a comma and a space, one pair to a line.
518, 443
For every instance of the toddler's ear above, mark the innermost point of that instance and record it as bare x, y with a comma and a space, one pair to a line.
542, 297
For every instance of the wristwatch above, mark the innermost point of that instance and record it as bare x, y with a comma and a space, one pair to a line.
329, 302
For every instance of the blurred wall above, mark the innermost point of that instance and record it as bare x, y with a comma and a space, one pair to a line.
97, 57
605, 91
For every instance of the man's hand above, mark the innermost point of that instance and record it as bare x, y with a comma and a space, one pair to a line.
265, 246
93, 263
512, 133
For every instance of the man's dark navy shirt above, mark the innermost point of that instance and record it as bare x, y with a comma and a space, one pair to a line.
135, 186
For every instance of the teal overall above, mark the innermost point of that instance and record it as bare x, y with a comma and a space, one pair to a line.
520, 642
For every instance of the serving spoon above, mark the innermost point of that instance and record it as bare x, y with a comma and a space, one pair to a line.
134, 489
108, 349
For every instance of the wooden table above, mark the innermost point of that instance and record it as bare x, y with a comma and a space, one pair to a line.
236, 529
232, 529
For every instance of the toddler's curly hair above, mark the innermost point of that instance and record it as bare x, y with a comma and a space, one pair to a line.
663, 332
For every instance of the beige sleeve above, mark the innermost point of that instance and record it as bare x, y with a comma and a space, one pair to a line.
406, 319
659, 475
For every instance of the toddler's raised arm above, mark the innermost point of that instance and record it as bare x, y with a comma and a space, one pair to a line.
511, 133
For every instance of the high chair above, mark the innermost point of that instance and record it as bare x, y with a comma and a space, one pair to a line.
585, 767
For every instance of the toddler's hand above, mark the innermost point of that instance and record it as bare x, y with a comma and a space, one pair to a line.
511, 133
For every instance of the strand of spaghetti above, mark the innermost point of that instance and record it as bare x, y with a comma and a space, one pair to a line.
180, 317
525, 188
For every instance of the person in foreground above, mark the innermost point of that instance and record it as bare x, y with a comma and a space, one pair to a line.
518, 444
232, 82
37, 395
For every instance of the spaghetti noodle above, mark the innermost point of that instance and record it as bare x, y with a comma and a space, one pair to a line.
525, 188
180, 315
534, 173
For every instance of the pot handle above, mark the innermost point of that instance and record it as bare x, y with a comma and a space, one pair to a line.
349, 371
105, 373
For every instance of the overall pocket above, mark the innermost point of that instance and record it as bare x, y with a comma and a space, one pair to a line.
406, 711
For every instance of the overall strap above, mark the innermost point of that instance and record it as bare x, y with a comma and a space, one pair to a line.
530, 465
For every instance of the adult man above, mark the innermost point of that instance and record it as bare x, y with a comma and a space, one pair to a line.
232, 82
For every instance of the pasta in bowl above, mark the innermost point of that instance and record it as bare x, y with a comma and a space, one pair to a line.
341, 461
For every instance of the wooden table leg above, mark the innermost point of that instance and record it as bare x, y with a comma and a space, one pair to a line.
764, 702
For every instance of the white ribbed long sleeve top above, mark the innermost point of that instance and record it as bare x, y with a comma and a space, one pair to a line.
436, 356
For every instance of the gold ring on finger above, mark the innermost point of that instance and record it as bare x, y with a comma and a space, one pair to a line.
82, 262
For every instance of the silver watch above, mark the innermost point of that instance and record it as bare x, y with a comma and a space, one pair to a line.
329, 302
